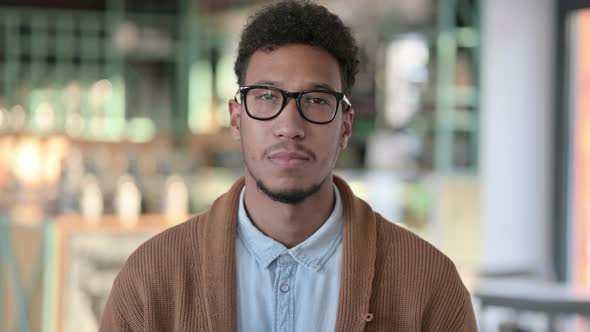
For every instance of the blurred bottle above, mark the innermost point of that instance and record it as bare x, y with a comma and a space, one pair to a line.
176, 201
128, 197
91, 200
70, 180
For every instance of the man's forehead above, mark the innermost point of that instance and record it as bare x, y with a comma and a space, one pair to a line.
308, 66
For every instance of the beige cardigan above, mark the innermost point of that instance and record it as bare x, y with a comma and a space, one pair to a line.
184, 279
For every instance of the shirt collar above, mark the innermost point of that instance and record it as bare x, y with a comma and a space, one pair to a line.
312, 253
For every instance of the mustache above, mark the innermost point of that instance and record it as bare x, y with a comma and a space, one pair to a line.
288, 147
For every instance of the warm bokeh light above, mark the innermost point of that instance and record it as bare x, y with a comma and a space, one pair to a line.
27, 165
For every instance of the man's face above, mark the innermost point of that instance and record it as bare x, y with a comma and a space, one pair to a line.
289, 155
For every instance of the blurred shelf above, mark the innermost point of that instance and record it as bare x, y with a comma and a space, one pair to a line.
459, 96
456, 97
53, 52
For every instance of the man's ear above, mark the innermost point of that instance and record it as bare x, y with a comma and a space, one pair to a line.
235, 115
347, 121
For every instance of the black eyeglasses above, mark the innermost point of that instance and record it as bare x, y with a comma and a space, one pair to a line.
316, 106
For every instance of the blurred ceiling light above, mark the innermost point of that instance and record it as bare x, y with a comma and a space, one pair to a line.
140, 130
18, 117
45, 117
72, 95
74, 124
27, 166
100, 93
126, 37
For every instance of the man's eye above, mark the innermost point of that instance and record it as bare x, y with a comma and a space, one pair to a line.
316, 101
267, 96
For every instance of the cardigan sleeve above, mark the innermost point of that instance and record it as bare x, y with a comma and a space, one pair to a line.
112, 320
469, 321
450, 308
123, 311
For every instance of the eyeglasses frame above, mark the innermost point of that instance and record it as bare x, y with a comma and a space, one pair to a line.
340, 96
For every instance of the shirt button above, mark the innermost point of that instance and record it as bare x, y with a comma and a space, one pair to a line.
284, 288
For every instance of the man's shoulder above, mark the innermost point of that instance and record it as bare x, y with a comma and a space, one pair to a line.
148, 277
402, 244
424, 278
166, 251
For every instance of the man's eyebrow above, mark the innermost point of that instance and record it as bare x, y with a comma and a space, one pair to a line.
312, 85
265, 82
322, 86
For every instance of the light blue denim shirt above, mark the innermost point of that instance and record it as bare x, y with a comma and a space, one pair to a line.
285, 290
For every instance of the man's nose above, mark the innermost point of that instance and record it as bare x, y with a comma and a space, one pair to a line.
289, 124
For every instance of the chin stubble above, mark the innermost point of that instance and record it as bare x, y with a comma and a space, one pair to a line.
292, 197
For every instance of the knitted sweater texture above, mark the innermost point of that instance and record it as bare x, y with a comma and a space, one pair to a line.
184, 279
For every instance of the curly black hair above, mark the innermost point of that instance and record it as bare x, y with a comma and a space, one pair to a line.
299, 22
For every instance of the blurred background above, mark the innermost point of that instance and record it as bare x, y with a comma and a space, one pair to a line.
472, 129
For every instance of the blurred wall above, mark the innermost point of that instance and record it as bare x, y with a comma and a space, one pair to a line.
516, 143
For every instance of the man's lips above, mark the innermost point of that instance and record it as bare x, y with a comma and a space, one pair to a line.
288, 159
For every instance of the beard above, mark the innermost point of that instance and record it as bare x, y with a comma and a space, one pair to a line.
292, 197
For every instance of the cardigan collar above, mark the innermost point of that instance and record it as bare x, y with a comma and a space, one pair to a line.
216, 241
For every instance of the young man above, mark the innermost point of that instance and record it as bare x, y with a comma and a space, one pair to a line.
289, 247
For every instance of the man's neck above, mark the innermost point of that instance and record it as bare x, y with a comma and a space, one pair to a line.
289, 224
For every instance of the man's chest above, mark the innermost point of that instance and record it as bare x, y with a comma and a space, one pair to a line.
286, 296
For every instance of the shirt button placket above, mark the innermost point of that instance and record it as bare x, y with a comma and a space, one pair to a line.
284, 293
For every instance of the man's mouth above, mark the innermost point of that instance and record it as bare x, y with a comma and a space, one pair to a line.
288, 158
